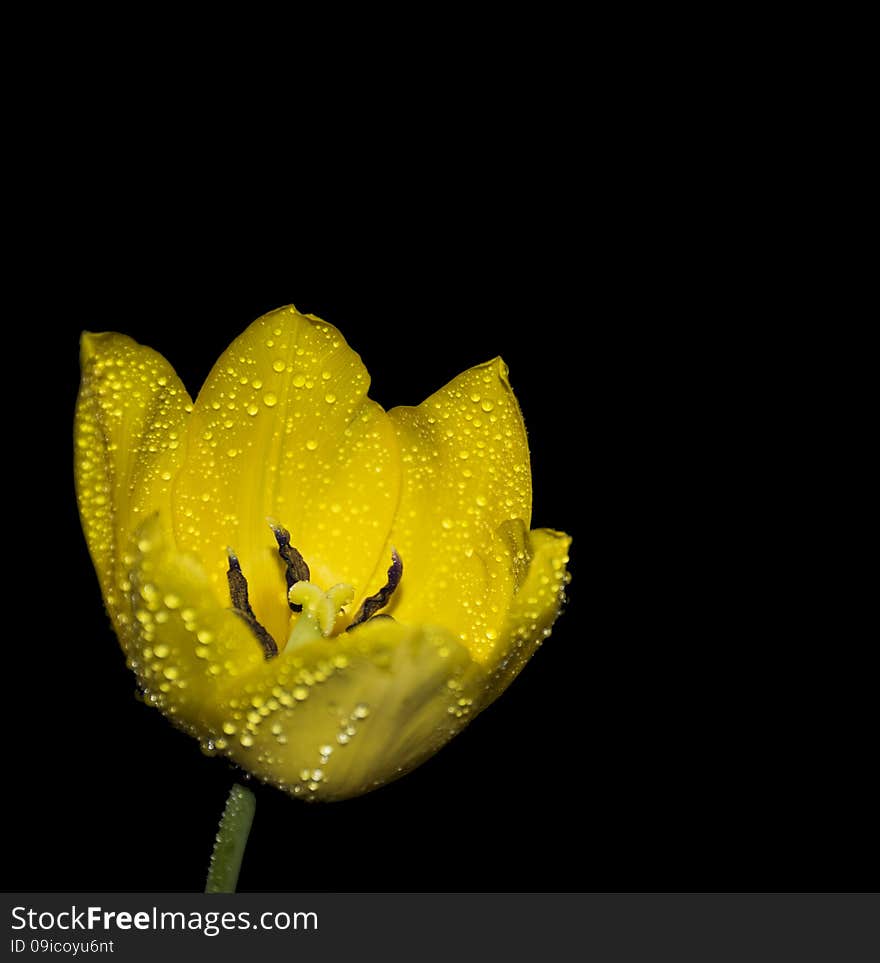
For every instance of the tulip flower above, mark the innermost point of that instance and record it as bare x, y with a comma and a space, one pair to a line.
320, 590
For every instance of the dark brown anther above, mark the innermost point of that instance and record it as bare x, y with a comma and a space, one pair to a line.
238, 593
296, 569
371, 605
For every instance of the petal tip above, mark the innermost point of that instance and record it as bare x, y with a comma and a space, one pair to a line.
93, 343
499, 366
87, 346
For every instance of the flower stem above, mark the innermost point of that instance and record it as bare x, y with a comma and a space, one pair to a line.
232, 837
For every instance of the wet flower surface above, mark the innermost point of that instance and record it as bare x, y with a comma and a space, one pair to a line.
321, 590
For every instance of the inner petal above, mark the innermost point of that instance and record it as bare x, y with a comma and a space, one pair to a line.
283, 428
465, 505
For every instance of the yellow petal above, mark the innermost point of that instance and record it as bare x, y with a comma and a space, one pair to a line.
186, 647
534, 609
465, 465
340, 717
129, 442
283, 428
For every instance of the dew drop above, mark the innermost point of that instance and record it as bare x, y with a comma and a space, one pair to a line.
278, 365
330, 398
311, 444
299, 380
252, 410
270, 400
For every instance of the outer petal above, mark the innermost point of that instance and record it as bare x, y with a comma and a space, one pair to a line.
465, 464
129, 434
533, 611
339, 718
185, 647
283, 428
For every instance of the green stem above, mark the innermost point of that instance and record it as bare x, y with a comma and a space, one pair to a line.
232, 837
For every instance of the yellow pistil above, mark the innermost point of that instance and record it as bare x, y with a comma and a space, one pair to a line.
320, 610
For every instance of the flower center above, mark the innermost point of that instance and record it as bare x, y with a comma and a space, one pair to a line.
315, 612
319, 611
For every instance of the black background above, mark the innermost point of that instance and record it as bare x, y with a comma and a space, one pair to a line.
670, 734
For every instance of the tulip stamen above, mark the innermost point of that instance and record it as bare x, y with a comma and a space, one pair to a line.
371, 605
238, 593
296, 568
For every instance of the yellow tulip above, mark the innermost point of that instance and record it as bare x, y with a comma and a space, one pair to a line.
242, 542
